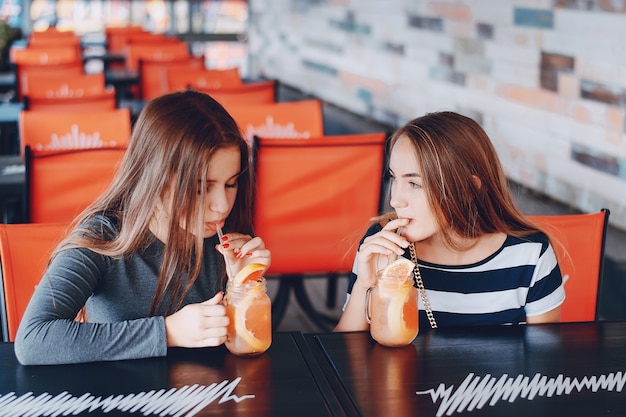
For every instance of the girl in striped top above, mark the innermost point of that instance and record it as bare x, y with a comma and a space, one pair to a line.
481, 260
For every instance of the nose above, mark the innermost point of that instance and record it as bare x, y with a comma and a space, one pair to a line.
217, 202
396, 201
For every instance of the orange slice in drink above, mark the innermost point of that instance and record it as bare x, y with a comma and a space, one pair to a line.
400, 268
249, 312
401, 316
249, 273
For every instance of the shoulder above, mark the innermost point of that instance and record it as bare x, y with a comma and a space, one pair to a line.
537, 239
103, 225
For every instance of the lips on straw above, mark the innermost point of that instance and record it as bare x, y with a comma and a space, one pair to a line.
229, 270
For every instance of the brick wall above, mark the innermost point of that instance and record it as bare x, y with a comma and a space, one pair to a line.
546, 79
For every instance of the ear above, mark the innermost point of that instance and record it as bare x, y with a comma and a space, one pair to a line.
477, 182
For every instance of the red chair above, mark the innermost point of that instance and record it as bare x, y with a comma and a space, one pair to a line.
578, 240
295, 119
164, 50
257, 93
65, 61
58, 85
45, 130
203, 78
153, 74
321, 193
64, 94
61, 184
103, 101
24, 253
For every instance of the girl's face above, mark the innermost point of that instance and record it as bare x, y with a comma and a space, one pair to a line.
408, 198
222, 182
219, 198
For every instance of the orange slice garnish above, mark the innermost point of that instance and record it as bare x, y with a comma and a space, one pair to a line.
249, 273
400, 268
249, 313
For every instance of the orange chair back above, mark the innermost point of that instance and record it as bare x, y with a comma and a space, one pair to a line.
314, 198
59, 85
24, 253
51, 33
203, 78
578, 240
294, 119
161, 51
52, 39
45, 130
153, 74
64, 61
44, 56
106, 100
117, 36
257, 93
61, 184
117, 39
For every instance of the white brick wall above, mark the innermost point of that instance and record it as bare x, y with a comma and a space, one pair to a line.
534, 129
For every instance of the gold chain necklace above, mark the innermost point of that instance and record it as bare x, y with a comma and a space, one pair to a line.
422, 290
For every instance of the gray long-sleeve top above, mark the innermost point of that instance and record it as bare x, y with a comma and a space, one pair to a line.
117, 294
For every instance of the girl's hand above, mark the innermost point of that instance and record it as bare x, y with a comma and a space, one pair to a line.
378, 251
242, 250
198, 325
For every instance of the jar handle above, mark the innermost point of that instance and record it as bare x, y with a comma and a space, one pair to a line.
368, 314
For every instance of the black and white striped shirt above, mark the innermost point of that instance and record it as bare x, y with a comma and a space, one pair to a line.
521, 279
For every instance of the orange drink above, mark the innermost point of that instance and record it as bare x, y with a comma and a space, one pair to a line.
392, 306
250, 312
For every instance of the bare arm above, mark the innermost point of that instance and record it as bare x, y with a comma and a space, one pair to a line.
552, 316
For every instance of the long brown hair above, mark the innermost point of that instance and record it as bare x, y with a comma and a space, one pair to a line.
171, 146
463, 179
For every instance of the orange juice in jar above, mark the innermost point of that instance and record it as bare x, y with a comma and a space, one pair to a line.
391, 306
250, 312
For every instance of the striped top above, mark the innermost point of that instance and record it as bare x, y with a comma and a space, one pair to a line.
521, 279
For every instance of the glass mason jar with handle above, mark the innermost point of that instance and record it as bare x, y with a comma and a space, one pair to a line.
391, 310
250, 312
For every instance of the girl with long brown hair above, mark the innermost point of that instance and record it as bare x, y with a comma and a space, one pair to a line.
144, 260
478, 258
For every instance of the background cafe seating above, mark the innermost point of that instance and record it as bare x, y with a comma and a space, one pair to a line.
153, 73
59, 93
165, 49
64, 60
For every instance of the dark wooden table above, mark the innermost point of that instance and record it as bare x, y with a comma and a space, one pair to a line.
201, 382
573, 369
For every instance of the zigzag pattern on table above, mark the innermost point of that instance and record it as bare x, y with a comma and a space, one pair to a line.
475, 391
186, 401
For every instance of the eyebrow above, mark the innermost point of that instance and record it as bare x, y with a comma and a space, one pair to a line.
409, 175
237, 175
